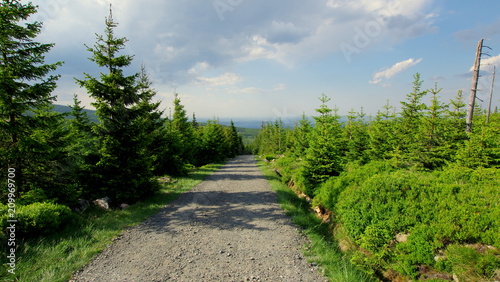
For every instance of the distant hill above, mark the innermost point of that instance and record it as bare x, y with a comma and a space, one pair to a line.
247, 134
66, 109
247, 127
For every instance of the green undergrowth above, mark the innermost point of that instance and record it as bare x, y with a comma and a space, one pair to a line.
409, 223
322, 249
57, 256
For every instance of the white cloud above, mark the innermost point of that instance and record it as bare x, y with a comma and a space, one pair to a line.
246, 90
185, 43
488, 62
176, 35
222, 80
199, 68
280, 87
395, 69
334, 3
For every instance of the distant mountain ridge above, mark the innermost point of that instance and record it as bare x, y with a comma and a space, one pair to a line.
247, 129
66, 109
248, 123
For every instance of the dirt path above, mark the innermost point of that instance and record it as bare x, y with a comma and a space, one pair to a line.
228, 228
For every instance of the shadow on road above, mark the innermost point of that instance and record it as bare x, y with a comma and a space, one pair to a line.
235, 197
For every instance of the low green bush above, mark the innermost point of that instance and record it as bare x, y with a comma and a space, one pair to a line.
36, 219
269, 157
288, 168
404, 220
328, 193
433, 209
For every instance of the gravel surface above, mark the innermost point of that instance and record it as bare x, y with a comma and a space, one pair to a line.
227, 228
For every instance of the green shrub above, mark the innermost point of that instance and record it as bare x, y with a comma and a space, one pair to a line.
435, 209
269, 157
329, 192
36, 219
288, 167
32, 196
418, 250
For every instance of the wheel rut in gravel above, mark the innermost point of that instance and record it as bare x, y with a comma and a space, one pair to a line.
227, 228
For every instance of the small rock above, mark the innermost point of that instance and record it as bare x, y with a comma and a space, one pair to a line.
102, 203
401, 237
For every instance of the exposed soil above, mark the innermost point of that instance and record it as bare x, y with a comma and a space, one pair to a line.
228, 228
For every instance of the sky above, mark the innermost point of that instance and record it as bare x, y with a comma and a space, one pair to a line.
265, 60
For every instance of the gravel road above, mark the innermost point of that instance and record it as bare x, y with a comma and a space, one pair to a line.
227, 228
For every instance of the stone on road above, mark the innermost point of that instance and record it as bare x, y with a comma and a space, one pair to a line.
227, 228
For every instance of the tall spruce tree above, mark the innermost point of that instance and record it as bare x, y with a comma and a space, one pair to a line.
455, 122
233, 140
356, 137
183, 129
25, 86
433, 129
212, 143
382, 134
409, 150
323, 158
124, 169
300, 137
150, 119
83, 146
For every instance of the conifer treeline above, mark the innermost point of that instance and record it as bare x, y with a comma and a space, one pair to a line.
404, 187
424, 136
60, 160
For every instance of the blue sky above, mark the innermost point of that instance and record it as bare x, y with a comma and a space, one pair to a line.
268, 59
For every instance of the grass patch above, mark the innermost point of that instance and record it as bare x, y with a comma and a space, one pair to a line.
56, 257
322, 249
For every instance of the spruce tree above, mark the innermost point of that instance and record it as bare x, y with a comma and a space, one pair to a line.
356, 137
150, 120
48, 171
263, 143
409, 150
168, 157
300, 136
382, 134
212, 143
194, 122
233, 141
26, 86
433, 131
455, 122
184, 131
324, 156
124, 169
82, 146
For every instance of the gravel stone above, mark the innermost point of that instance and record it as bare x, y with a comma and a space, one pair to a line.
227, 228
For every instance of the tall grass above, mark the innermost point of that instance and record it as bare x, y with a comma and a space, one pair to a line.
56, 257
322, 249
